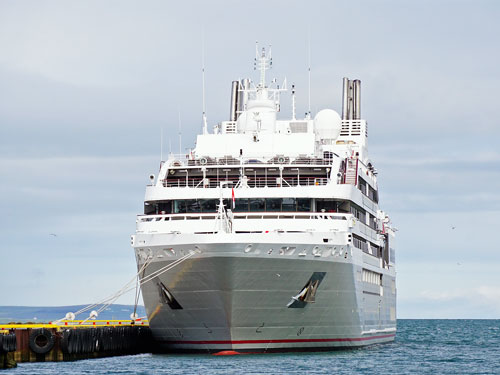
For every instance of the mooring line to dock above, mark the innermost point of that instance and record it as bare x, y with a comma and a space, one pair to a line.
112, 297
105, 302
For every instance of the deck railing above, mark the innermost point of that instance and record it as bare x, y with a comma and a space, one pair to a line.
259, 182
188, 160
247, 215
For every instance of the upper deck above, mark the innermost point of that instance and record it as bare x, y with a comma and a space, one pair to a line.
289, 174
256, 149
258, 175
268, 164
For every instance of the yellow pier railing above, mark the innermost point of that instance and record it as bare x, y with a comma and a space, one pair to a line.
76, 324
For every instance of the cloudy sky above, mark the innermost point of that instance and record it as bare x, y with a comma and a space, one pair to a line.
87, 86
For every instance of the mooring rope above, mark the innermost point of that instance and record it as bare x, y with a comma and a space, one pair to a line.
118, 293
106, 302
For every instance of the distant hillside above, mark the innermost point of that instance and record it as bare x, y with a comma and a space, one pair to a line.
47, 314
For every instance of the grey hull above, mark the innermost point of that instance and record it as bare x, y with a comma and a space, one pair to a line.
228, 300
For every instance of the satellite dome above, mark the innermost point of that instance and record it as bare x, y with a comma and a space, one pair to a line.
327, 124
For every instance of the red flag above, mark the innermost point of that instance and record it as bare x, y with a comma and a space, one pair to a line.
232, 196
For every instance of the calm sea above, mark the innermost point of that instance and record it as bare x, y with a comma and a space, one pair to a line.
421, 347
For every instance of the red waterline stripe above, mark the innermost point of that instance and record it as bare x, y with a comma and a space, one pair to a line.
280, 341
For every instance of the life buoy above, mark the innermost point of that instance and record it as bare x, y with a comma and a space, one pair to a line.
41, 340
203, 161
281, 159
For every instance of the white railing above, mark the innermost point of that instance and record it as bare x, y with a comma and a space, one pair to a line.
246, 215
189, 159
250, 182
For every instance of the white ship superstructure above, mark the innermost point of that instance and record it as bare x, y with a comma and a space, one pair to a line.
268, 235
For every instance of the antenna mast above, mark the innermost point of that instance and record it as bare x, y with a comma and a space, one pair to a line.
263, 62
309, 74
161, 143
180, 133
204, 115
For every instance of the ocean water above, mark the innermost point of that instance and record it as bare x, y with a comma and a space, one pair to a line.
421, 347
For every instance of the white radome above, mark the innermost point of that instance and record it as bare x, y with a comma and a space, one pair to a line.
327, 124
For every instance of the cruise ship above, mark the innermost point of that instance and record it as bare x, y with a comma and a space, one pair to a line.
267, 236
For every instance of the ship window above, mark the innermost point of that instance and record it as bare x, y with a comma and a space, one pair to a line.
183, 206
149, 208
241, 205
358, 212
362, 185
326, 205
208, 205
157, 207
360, 243
288, 204
373, 194
303, 205
180, 207
273, 204
193, 205
375, 250
165, 207
257, 204
372, 221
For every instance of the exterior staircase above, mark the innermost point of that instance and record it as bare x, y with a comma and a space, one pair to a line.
351, 171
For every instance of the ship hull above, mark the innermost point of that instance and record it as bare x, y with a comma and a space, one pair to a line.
227, 297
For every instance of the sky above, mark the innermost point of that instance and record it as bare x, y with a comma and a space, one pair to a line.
87, 87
